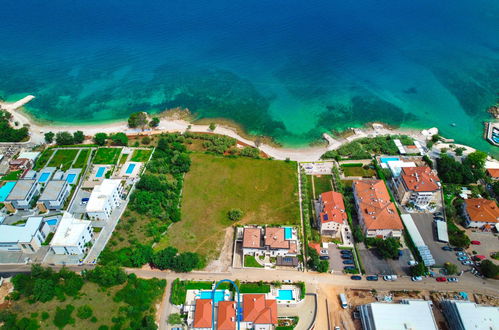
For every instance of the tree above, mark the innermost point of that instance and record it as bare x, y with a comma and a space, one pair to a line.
419, 269
63, 316
49, 137
106, 276
154, 122
387, 248
84, 312
323, 266
235, 214
141, 255
64, 138
489, 269
175, 318
137, 120
78, 137
146, 140
450, 268
164, 259
119, 139
100, 138
43, 290
186, 262
212, 126
459, 151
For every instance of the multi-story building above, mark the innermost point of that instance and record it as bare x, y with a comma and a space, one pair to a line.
21, 195
71, 236
378, 216
53, 196
466, 315
416, 185
104, 199
480, 212
271, 241
27, 238
331, 216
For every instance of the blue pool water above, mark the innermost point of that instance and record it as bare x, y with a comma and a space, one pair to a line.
6, 189
130, 169
219, 295
51, 222
70, 178
388, 159
44, 177
100, 172
285, 295
288, 232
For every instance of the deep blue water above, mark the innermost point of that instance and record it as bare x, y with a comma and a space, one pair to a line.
288, 69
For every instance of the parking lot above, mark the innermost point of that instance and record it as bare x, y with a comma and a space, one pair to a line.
374, 264
335, 262
489, 244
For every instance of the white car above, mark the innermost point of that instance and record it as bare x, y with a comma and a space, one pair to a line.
416, 278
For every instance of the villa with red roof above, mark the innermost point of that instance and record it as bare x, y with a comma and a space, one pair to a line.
378, 216
416, 185
480, 213
331, 214
202, 314
259, 312
271, 241
226, 315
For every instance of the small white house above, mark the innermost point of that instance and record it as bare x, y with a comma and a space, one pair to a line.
27, 238
104, 199
71, 236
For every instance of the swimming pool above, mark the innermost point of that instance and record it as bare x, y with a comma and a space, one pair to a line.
288, 233
285, 295
219, 295
130, 169
100, 172
70, 178
6, 189
385, 160
44, 177
51, 222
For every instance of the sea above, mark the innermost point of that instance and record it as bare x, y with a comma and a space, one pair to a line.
289, 69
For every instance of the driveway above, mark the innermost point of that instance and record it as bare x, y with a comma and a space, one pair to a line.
335, 261
373, 263
305, 310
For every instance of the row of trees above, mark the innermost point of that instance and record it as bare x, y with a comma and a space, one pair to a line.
469, 171
7, 132
65, 138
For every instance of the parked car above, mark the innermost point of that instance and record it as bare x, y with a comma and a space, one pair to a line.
372, 278
287, 281
356, 277
441, 279
438, 219
462, 258
324, 251
324, 257
452, 279
346, 251
446, 248
438, 214
390, 277
467, 262
346, 256
476, 242
348, 262
416, 278
458, 249
349, 268
460, 254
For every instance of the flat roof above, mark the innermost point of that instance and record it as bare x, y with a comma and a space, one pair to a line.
410, 314
21, 190
69, 231
22, 233
474, 316
417, 239
442, 233
101, 193
31, 155
52, 190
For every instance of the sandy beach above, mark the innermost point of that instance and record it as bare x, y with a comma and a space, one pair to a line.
38, 130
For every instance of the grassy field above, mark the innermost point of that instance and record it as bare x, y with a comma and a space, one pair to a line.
265, 190
108, 156
81, 161
357, 171
141, 155
13, 175
123, 159
322, 184
250, 261
64, 158
43, 159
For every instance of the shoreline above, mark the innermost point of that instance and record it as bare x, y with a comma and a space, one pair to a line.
170, 125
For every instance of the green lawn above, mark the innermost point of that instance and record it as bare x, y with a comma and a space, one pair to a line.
322, 184
265, 190
250, 261
43, 159
81, 160
63, 158
254, 288
108, 156
357, 171
141, 155
123, 159
13, 175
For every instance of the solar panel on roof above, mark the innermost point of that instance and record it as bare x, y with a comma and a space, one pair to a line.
326, 217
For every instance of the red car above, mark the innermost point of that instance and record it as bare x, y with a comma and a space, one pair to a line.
441, 279
476, 242
479, 257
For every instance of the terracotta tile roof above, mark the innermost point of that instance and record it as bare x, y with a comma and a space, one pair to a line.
226, 315
482, 210
333, 208
293, 247
259, 310
202, 314
315, 246
420, 178
493, 172
252, 238
376, 209
274, 238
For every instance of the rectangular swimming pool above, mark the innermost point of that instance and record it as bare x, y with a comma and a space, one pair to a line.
130, 169
219, 295
6, 189
70, 178
44, 177
385, 160
288, 233
285, 295
100, 172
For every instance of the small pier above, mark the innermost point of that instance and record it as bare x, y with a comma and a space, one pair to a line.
492, 133
16, 105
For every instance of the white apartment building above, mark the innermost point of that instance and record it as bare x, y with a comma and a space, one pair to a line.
71, 236
104, 199
27, 238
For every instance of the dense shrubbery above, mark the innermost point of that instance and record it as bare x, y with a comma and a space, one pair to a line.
219, 144
489, 269
314, 262
106, 276
387, 248
7, 132
469, 171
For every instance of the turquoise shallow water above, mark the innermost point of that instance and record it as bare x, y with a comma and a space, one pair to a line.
287, 69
